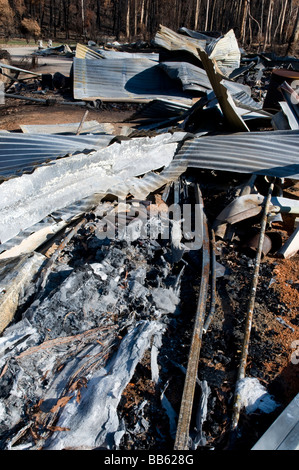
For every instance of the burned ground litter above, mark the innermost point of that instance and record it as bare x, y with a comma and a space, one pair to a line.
149, 248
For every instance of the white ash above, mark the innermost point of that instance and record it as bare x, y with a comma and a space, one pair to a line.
121, 289
254, 396
94, 421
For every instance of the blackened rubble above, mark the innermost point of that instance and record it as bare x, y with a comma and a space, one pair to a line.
101, 292
101, 295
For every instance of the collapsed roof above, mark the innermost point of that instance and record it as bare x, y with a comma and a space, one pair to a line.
118, 298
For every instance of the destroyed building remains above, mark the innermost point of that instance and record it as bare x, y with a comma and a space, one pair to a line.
148, 267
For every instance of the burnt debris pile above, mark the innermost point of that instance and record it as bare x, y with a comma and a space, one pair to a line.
148, 275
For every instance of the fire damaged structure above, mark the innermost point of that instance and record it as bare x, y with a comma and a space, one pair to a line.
141, 266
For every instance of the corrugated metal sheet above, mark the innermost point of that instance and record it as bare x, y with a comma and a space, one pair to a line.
23, 152
225, 51
26, 200
140, 188
65, 214
172, 41
17, 69
192, 78
273, 153
111, 54
156, 110
88, 127
84, 52
197, 35
123, 80
195, 79
243, 100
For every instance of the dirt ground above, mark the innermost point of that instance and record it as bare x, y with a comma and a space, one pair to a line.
59, 114
272, 351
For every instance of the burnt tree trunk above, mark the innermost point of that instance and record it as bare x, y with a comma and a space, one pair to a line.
293, 42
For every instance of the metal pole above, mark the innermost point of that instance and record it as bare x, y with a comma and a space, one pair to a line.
213, 284
242, 367
82, 122
182, 435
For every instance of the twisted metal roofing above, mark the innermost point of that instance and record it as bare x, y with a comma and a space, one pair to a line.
23, 152
84, 52
123, 80
272, 153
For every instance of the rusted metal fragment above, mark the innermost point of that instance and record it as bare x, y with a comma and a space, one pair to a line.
182, 435
224, 98
251, 205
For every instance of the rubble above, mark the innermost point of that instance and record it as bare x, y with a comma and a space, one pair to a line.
140, 307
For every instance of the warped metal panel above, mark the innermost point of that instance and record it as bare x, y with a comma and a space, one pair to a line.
112, 54
192, 78
196, 79
84, 52
28, 199
172, 41
123, 80
225, 51
23, 152
65, 214
17, 69
88, 127
140, 188
158, 109
197, 35
224, 97
273, 153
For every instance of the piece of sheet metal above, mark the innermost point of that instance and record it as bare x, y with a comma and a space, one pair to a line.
197, 35
49, 225
84, 52
192, 78
223, 96
88, 127
250, 205
23, 152
173, 41
272, 153
159, 109
140, 188
225, 51
123, 80
28, 199
17, 69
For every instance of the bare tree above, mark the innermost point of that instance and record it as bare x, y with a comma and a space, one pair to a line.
207, 15
196, 17
293, 42
269, 24
128, 19
244, 20
282, 22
